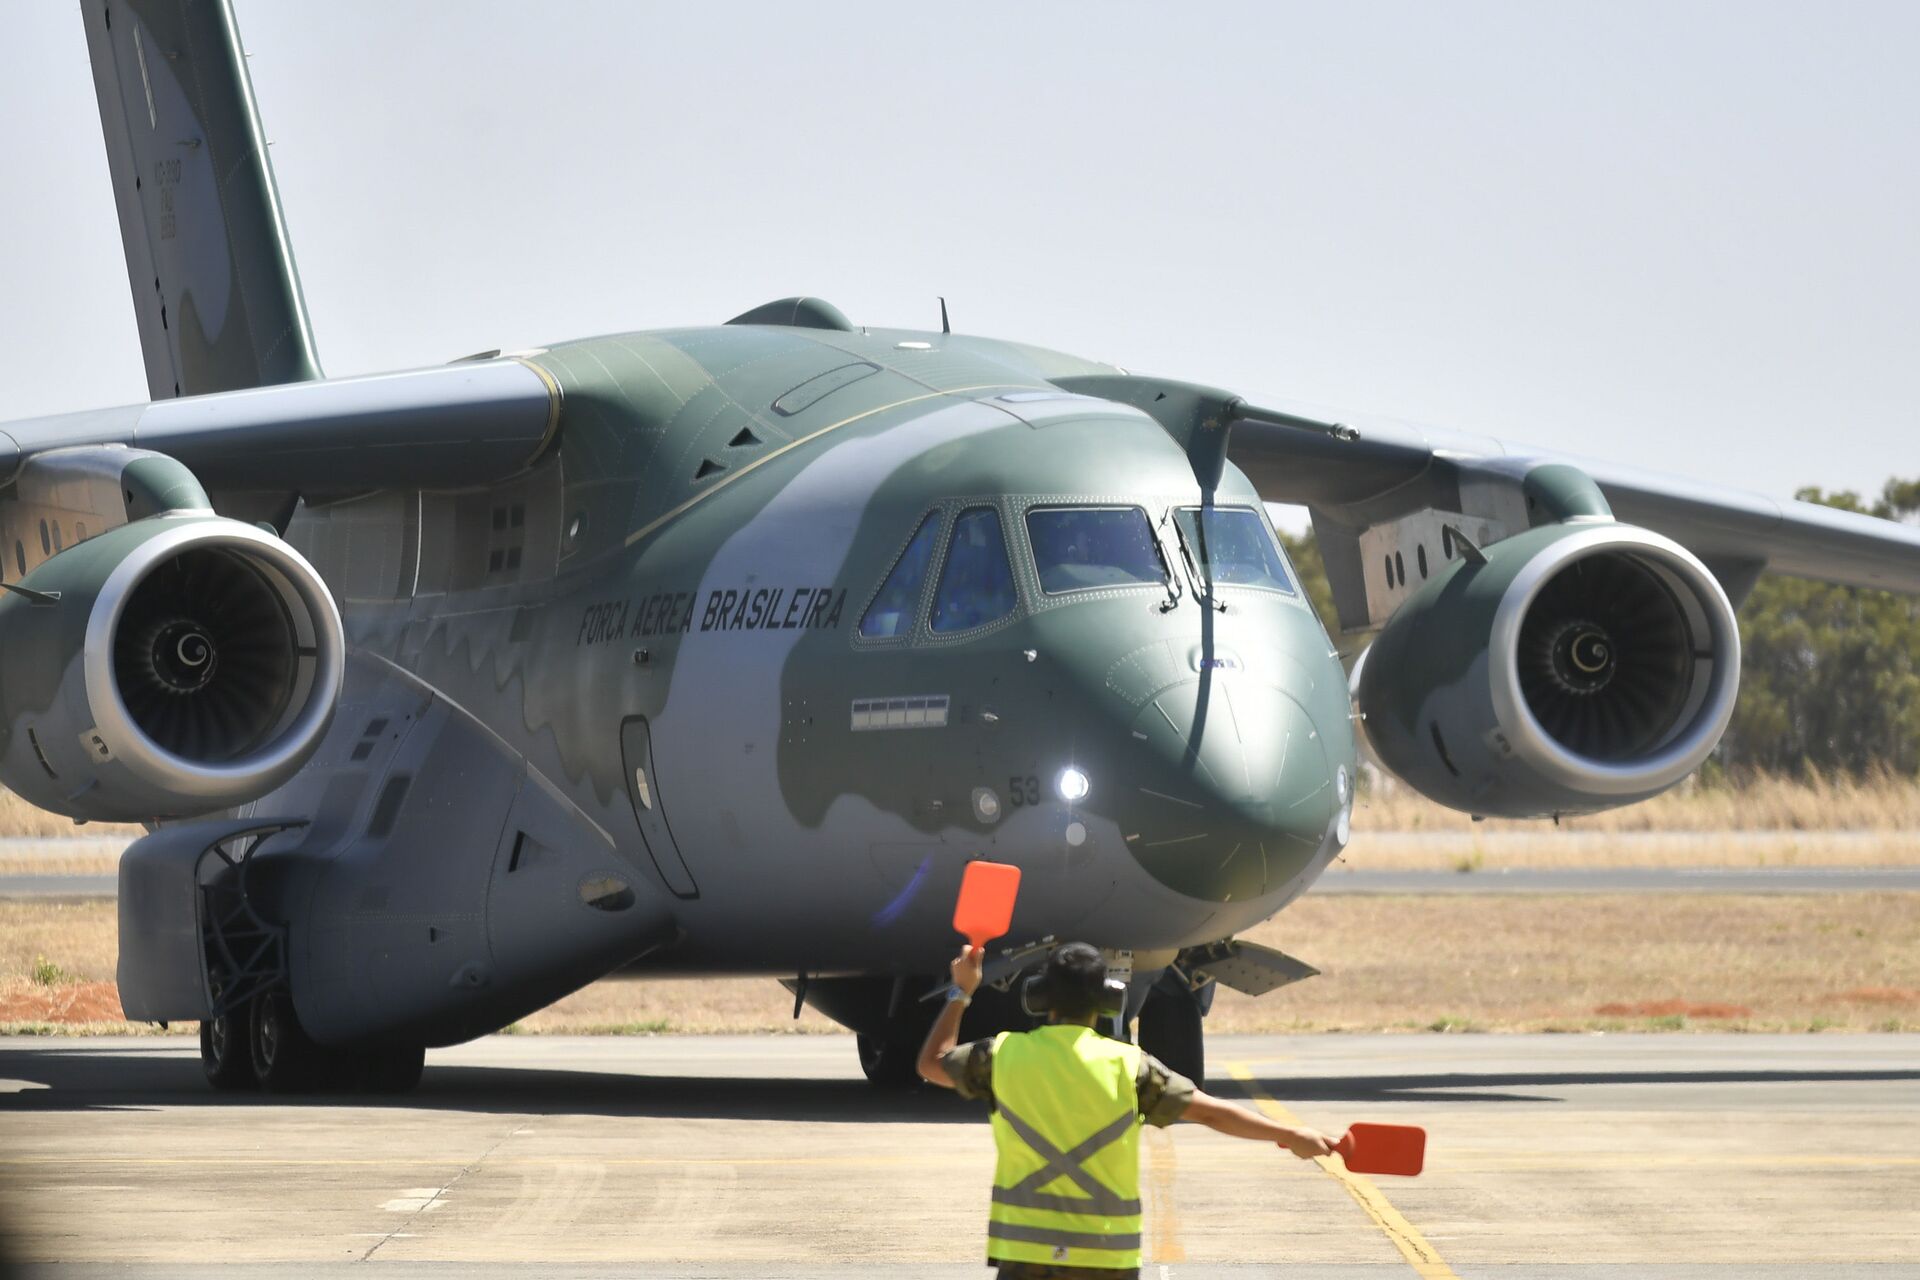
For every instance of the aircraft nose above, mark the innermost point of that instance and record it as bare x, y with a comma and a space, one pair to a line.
1231, 789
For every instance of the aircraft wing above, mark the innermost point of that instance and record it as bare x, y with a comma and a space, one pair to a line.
1395, 470
448, 427
1373, 485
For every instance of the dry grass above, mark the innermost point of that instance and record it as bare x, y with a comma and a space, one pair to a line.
18, 818
708, 1006
1760, 821
1629, 962
101, 864
1543, 845
1767, 962
1882, 802
82, 938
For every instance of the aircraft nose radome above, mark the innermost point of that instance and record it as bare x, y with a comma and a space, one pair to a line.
1230, 792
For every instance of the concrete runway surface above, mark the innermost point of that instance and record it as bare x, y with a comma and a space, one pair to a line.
1678, 1157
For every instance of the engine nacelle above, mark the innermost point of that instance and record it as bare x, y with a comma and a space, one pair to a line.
190, 663
1582, 666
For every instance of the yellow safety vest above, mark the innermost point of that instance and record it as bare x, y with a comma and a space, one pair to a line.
1066, 1124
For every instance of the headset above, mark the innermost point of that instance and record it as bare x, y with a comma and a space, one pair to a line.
1038, 997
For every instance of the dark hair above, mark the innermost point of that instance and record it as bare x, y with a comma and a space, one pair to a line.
1075, 976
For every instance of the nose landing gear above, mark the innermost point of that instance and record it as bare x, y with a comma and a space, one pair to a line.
888, 1058
1169, 1024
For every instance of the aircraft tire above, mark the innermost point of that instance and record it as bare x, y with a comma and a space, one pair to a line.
285, 1058
1169, 1028
226, 1052
391, 1070
889, 1062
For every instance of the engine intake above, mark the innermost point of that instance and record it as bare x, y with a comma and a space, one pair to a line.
192, 664
205, 655
1584, 665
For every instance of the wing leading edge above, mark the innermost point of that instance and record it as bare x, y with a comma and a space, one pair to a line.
1362, 476
450, 427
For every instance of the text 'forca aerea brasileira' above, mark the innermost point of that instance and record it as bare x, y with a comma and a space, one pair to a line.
725, 609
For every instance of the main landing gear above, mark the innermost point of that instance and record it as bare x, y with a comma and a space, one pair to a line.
261, 1045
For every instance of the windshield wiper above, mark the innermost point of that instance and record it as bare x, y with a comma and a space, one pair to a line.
1203, 591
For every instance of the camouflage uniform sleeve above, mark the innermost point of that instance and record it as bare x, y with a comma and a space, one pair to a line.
1163, 1092
970, 1067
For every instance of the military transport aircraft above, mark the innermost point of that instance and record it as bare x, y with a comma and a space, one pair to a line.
723, 649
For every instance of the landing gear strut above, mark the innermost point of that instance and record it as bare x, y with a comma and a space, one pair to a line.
1169, 1025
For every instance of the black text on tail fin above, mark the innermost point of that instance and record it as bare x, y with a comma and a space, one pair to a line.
214, 287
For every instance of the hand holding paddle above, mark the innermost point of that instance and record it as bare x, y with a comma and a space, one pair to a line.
1398, 1149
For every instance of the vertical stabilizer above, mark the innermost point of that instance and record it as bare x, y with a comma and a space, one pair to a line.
214, 287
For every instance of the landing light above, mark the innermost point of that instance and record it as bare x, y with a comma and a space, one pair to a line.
1073, 785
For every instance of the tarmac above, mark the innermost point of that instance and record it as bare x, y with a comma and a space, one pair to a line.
1574, 1157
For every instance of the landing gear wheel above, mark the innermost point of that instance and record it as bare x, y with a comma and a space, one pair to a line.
285, 1058
391, 1070
1169, 1027
889, 1063
226, 1054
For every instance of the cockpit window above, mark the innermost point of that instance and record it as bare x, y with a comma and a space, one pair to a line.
976, 586
1232, 547
1079, 548
891, 613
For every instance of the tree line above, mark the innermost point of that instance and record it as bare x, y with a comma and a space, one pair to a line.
1830, 676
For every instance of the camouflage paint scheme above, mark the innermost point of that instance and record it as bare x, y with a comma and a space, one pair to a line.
725, 609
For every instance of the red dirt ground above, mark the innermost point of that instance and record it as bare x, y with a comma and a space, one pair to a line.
1670, 1008
1882, 995
67, 1003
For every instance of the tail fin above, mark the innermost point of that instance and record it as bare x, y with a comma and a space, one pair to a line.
214, 287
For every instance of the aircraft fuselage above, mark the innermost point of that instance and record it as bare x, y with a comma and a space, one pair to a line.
697, 620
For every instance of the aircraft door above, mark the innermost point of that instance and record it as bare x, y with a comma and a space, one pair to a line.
636, 749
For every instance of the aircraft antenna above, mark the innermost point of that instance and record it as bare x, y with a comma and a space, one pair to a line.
944, 326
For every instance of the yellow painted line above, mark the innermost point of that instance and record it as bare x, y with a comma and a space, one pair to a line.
1420, 1255
1163, 1208
791, 445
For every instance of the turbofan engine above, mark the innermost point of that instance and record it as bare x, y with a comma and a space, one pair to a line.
1575, 667
176, 665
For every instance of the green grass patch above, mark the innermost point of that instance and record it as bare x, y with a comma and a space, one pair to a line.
48, 974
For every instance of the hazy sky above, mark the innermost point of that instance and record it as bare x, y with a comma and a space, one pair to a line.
1685, 235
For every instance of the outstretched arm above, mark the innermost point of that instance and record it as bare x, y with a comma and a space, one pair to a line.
945, 1032
1237, 1122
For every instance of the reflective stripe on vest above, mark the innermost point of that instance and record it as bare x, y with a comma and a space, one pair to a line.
1065, 1096
1065, 1164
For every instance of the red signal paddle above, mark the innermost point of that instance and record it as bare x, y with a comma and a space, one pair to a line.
985, 909
1384, 1148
